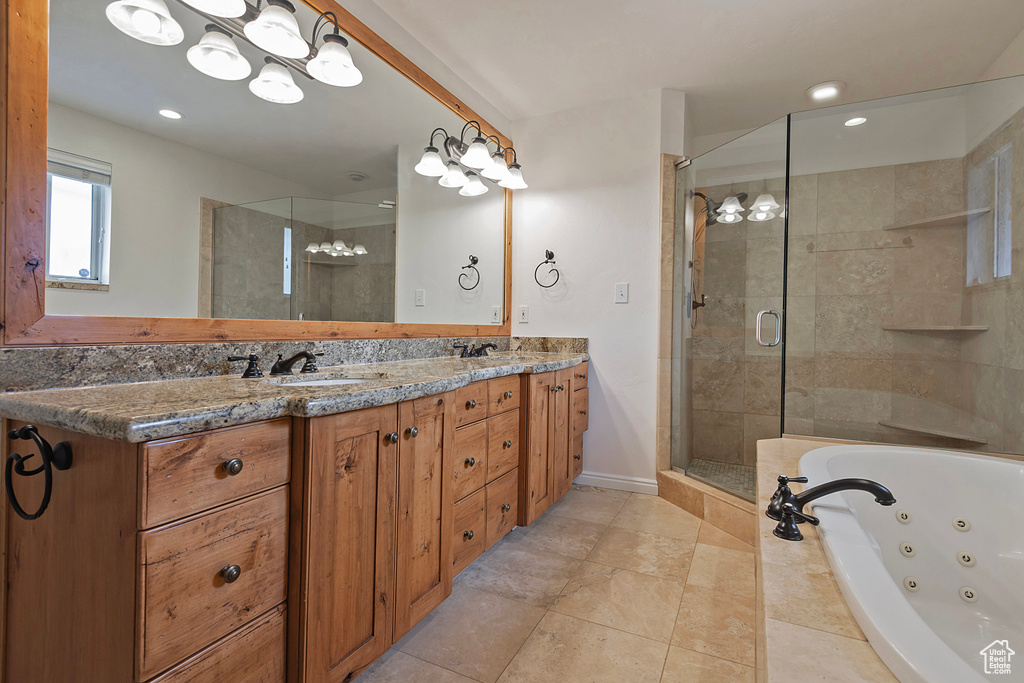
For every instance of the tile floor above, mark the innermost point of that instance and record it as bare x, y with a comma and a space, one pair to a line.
605, 586
739, 479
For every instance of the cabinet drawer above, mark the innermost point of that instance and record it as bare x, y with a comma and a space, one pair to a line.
186, 475
502, 510
579, 375
580, 411
184, 601
502, 444
577, 456
254, 653
470, 403
469, 465
470, 530
502, 394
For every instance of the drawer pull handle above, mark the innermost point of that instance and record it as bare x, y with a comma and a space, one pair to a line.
577, 457
233, 466
583, 412
508, 394
391, 438
470, 461
471, 404
506, 507
507, 444
231, 573
582, 376
468, 535
412, 431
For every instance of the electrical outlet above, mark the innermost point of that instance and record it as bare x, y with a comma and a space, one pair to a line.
496, 314
421, 297
524, 314
622, 293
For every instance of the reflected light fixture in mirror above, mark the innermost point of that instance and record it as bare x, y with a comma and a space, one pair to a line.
276, 31
497, 170
333, 64
431, 164
217, 55
514, 180
760, 216
453, 176
145, 20
218, 8
475, 156
360, 250
275, 84
474, 187
765, 202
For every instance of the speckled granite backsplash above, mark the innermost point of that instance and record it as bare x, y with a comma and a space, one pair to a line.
76, 366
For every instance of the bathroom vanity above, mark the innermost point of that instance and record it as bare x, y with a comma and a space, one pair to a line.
225, 529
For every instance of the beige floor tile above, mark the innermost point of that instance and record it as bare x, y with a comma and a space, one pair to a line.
654, 515
668, 558
712, 535
848, 660
637, 603
398, 667
559, 534
687, 666
722, 569
716, 623
590, 504
472, 633
531, 576
562, 648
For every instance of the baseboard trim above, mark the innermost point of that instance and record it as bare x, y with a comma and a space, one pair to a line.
613, 481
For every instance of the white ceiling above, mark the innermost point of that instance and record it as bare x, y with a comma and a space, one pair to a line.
741, 62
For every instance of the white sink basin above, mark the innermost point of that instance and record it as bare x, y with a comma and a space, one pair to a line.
324, 382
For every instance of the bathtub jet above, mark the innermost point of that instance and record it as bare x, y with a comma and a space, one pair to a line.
787, 508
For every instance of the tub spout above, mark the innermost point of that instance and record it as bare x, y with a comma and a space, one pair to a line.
788, 508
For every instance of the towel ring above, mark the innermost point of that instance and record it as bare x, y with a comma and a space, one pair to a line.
550, 258
473, 260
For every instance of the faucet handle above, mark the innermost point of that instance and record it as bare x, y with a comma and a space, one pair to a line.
784, 480
310, 364
252, 369
788, 509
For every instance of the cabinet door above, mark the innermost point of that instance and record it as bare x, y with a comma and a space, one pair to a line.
425, 507
538, 491
561, 460
580, 422
346, 574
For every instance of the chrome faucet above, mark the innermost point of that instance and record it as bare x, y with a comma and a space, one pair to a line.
788, 508
283, 366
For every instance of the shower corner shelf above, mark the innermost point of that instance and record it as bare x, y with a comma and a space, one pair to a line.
921, 429
936, 328
949, 220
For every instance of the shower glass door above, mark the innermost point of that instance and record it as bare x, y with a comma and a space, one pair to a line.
731, 241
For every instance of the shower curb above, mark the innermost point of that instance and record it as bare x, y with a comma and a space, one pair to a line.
731, 514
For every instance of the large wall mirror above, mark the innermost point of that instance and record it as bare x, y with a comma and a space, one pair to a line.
259, 192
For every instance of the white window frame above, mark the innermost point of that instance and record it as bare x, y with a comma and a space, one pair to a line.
76, 167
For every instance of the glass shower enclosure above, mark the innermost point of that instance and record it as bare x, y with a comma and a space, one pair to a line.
892, 261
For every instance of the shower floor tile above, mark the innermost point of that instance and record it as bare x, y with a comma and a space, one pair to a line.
741, 479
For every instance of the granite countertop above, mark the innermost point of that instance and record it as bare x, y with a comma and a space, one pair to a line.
153, 410
805, 628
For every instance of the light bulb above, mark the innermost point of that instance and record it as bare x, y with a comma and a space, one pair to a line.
312, 247
340, 245
276, 31
360, 250
474, 186
765, 202
477, 155
514, 180
347, 252
497, 169
825, 91
145, 20
333, 63
218, 8
431, 164
855, 121
453, 177
759, 216
729, 218
217, 55
275, 84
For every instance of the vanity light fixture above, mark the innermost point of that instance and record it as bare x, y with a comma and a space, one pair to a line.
360, 250
218, 8
276, 31
145, 20
453, 175
312, 247
764, 202
731, 205
759, 216
339, 245
431, 164
474, 187
475, 156
856, 121
497, 170
275, 84
326, 246
170, 114
514, 180
729, 218
823, 92
332, 62
217, 55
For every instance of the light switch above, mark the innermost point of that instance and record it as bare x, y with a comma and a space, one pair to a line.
622, 293
524, 314
421, 297
496, 314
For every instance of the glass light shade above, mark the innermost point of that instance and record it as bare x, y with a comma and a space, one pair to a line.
477, 156
333, 64
217, 55
340, 246
360, 250
326, 246
347, 252
431, 164
474, 186
729, 218
145, 20
730, 205
453, 177
764, 202
514, 181
312, 247
275, 84
218, 8
759, 216
497, 169
334, 253
276, 31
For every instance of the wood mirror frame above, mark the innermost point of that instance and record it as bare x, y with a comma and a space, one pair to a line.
24, 52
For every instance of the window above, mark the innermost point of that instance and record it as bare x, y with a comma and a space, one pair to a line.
77, 217
990, 224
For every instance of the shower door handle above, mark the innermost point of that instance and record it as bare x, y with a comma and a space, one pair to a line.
778, 328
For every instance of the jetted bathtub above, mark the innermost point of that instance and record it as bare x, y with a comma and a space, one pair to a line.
936, 581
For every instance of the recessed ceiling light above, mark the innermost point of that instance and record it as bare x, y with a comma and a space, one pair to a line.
825, 91
856, 121
170, 114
